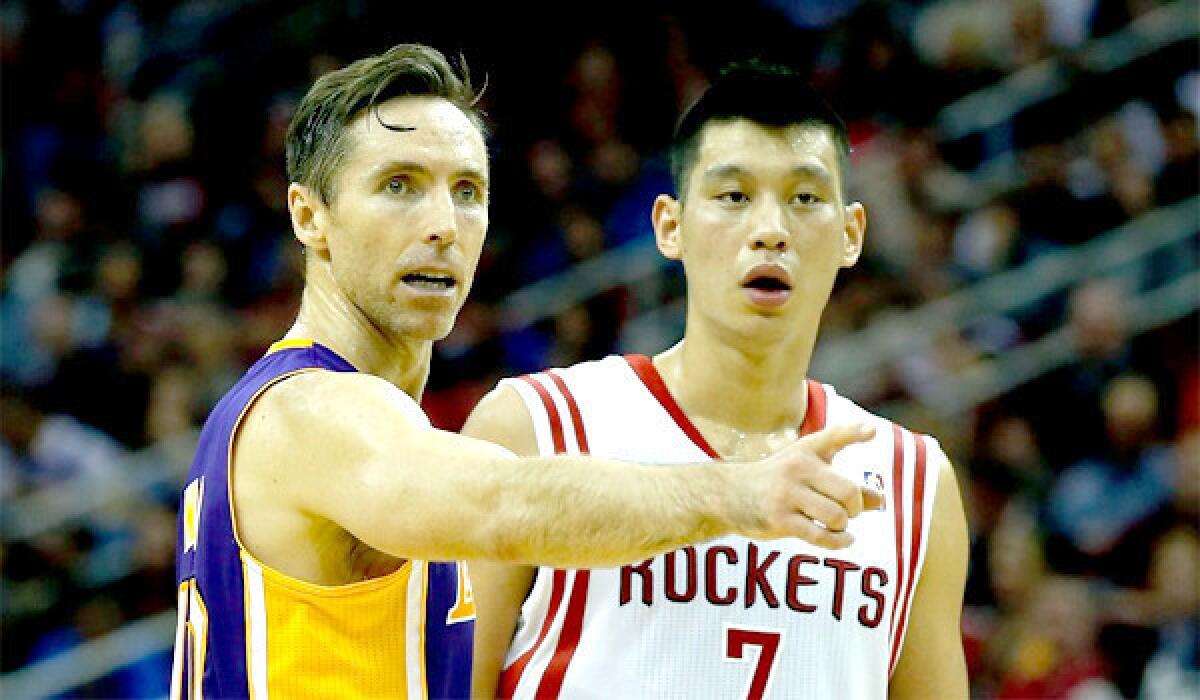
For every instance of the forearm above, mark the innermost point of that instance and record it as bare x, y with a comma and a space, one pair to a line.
591, 511
440, 496
574, 512
428, 494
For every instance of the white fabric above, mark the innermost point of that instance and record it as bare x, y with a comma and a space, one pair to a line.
668, 648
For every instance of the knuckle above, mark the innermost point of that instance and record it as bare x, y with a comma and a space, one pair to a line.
846, 492
855, 506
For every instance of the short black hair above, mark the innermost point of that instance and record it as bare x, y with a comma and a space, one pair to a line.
769, 94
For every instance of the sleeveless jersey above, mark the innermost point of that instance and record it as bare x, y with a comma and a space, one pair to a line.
247, 630
732, 617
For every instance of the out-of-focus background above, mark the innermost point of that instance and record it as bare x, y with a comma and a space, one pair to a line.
1028, 294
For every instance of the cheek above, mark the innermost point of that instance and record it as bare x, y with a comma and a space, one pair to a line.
347, 252
821, 235
472, 234
707, 266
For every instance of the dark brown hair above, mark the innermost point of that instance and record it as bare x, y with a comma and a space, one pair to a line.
315, 145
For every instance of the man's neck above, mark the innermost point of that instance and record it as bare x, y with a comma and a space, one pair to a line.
329, 318
738, 384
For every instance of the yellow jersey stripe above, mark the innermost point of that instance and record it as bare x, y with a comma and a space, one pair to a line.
415, 629
177, 670
290, 343
256, 628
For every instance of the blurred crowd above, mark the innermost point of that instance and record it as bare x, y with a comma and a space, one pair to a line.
147, 261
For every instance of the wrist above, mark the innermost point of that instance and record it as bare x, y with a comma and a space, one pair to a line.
734, 499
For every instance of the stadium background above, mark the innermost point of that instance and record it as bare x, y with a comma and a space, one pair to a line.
1028, 293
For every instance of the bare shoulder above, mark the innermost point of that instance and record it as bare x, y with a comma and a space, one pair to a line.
948, 500
299, 422
949, 540
501, 417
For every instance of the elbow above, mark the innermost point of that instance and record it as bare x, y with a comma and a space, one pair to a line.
498, 528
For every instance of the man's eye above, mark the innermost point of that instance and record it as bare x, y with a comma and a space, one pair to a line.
468, 192
397, 185
806, 198
733, 197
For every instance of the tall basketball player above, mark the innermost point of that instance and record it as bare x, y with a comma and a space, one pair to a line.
323, 518
761, 226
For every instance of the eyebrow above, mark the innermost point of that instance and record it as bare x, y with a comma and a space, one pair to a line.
465, 173
814, 172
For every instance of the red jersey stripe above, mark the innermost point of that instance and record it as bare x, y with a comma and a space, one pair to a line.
573, 408
511, 676
898, 509
814, 414
551, 413
552, 681
646, 371
572, 630
915, 550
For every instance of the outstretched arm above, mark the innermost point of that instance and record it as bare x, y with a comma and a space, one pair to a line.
345, 448
932, 664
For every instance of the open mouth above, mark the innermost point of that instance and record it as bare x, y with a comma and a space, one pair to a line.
768, 284
430, 281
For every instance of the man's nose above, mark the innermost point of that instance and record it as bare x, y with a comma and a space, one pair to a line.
771, 230
442, 227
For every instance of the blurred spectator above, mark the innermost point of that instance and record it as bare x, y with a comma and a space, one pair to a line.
1053, 653
1065, 405
1011, 572
1097, 503
986, 241
171, 198
1164, 601
1049, 212
1180, 176
1125, 189
1030, 41
42, 449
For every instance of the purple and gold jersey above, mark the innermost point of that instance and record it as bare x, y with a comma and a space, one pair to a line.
247, 630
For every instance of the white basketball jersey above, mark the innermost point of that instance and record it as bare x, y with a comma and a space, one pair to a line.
732, 617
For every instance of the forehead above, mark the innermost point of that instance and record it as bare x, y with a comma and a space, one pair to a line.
763, 150
437, 134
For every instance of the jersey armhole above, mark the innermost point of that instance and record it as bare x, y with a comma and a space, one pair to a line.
271, 572
537, 414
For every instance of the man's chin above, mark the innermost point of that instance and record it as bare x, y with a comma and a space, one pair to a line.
424, 326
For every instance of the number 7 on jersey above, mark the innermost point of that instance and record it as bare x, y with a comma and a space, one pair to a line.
767, 641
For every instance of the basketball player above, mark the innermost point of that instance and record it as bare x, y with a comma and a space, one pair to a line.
323, 518
761, 226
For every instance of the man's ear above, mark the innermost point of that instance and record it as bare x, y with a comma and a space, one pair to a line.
308, 216
854, 234
665, 217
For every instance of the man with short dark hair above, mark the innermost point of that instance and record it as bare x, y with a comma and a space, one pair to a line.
762, 226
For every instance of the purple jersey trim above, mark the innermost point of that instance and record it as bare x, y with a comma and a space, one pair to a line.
216, 563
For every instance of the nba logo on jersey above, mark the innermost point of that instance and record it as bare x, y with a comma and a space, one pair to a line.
875, 481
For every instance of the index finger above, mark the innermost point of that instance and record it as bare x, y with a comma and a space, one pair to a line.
828, 442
